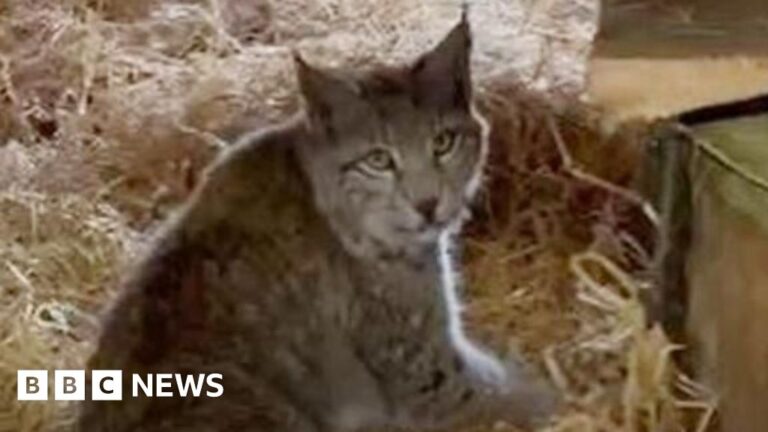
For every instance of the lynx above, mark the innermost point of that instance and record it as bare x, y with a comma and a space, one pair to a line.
312, 269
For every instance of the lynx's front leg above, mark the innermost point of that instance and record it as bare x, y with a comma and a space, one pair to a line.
430, 375
507, 390
429, 383
510, 391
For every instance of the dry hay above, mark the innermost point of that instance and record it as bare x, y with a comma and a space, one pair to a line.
560, 261
555, 261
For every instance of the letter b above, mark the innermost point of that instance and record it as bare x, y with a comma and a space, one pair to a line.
32, 385
69, 385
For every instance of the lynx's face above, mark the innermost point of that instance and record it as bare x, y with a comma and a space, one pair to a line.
397, 155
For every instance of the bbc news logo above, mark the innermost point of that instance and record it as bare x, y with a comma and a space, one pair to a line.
107, 385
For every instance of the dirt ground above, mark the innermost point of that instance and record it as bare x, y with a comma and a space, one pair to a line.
647, 87
683, 28
654, 58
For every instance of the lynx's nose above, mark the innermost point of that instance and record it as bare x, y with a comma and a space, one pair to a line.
427, 208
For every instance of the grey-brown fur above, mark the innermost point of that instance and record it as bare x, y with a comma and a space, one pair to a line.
318, 285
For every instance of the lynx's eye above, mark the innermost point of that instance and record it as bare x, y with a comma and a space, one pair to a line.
445, 143
379, 160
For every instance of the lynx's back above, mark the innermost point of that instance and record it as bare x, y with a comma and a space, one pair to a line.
312, 271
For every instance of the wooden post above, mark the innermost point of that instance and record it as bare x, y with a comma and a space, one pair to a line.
727, 268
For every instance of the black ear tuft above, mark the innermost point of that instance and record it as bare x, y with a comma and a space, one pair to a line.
302, 68
443, 75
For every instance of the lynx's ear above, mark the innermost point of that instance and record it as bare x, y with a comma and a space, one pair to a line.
323, 92
442, 76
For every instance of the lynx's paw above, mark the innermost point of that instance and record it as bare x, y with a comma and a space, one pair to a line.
527, 400
512, 392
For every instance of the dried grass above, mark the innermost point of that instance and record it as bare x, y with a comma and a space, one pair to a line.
108, 110
559, 261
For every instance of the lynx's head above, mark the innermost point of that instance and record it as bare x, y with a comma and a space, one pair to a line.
395, 155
